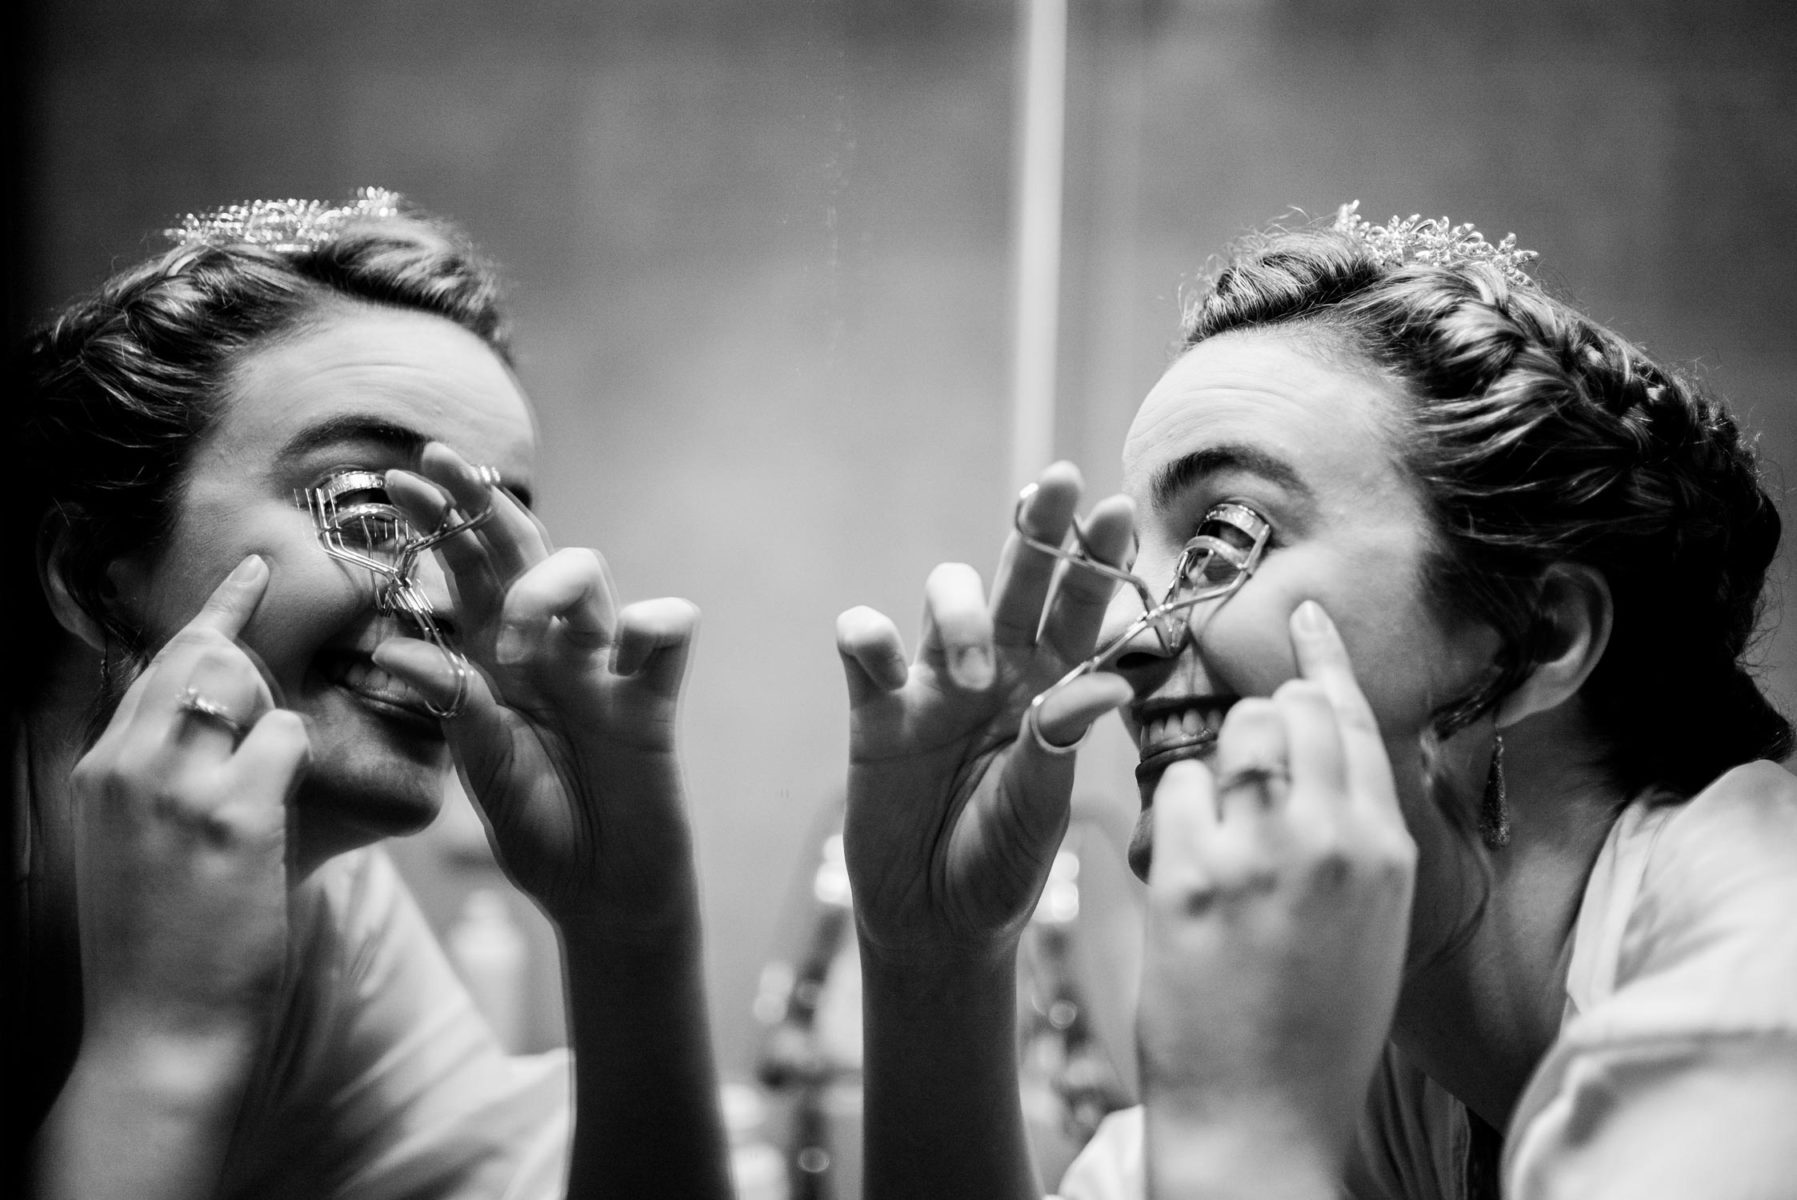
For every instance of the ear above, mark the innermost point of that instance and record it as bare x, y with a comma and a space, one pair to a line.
77, 608
1574, 617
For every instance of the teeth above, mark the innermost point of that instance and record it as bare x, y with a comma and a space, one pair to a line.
1180, 725
366, 677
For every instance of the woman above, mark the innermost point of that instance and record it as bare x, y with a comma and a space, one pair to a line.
244, 459
1458, 847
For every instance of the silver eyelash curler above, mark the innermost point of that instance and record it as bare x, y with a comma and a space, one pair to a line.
357, 524
1229, 545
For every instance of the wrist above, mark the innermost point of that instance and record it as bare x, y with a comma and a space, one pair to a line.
669, 925
906, 956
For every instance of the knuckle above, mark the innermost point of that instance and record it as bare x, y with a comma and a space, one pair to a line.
1301, 693
1357, 719
582, 558
1249, 712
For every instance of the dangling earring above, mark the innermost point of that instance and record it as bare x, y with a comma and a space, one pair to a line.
1494, 808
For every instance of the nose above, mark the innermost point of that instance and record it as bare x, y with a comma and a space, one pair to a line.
1142, 657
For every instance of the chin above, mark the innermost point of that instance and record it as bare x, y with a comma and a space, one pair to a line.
1141, 846
344, 804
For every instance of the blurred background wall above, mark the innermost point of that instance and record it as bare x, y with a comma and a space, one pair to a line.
762, 253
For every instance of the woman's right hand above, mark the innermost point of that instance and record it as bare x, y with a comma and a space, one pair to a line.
180, 836
954, 811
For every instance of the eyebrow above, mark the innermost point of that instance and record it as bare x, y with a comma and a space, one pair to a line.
1183, 472
337, 431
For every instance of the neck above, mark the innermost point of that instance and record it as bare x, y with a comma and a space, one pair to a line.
1479, 1016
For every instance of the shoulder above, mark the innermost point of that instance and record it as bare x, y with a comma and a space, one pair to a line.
1711, 930
1676, 1073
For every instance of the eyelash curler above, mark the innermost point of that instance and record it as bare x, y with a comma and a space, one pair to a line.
359, 525
1229, 544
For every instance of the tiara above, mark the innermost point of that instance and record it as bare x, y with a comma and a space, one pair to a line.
289, 226
1435, 243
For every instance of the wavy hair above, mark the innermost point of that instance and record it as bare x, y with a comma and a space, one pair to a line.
1536, 436
121, 385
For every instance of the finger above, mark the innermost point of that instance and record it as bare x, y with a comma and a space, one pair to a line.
1067, 712
957, 628
447, 490
1322, 657
1081, 597
570, 591
1037, 777
1253, 775
222, 697
1020, 586
655, 639
1186, 825
479, 582
271, 762
430, 671
873, 654
479, 734
229, 608
1320, 786
512, 535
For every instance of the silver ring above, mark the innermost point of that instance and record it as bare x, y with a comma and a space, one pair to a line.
454, 709
192, 701
1047, 747
1260, 778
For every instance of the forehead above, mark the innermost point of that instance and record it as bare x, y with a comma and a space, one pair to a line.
1280, 399
362, 364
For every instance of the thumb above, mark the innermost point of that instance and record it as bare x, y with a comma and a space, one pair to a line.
1038, 770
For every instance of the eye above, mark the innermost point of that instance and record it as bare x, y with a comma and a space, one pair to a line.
352, 509
1227, 547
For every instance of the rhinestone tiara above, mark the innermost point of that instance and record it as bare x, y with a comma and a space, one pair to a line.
1434, 242
288, 226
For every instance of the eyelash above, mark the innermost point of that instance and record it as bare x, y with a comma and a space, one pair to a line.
352, 503
1211, 517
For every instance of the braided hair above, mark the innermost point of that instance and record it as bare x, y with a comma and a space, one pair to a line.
121, 386
1536, 436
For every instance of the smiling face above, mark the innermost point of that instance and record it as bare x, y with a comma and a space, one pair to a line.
1265, 420
364, 387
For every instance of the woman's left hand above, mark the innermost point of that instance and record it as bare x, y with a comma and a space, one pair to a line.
1279, 908
567, 737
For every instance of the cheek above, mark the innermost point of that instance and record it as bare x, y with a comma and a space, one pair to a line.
310, 600
1246, 642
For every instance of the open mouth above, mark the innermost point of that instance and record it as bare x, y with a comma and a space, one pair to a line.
376, 687
1171, 730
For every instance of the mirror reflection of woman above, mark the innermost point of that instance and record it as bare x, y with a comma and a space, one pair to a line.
1465, 861
223, 987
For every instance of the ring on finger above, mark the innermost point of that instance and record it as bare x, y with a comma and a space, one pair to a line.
196, 702
1267, 783
1032, 721
452, 710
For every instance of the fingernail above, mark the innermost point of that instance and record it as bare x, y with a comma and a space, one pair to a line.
249, 570
1310, 618
510, 647
976, 671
